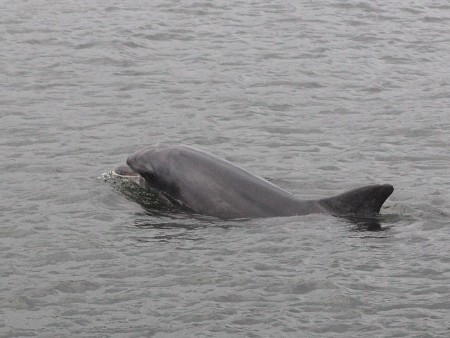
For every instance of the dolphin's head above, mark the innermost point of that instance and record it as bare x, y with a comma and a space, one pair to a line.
154, 165
142, 161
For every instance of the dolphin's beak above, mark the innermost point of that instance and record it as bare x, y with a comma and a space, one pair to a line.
124, 171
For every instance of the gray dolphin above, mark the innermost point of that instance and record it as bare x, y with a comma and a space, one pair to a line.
212, 186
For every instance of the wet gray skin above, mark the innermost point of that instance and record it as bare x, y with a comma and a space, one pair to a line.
213, 186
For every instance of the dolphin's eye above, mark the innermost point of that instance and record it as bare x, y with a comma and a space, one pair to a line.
149, 176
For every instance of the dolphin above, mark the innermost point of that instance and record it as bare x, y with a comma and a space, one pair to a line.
212, 186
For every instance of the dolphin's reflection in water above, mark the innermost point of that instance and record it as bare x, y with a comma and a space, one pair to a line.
366, 223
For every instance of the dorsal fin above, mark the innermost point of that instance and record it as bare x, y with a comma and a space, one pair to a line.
366, 200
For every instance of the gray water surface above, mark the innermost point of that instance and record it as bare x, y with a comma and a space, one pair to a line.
317, 96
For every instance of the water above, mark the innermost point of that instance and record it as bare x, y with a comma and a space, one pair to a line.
319, 97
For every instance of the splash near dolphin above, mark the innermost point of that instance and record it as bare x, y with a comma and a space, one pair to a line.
213, 186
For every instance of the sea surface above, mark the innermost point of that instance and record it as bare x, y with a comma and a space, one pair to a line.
319, 97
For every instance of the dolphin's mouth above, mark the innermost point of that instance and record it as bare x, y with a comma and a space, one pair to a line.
125, 172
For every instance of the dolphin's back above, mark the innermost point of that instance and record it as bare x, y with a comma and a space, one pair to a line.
214, 186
